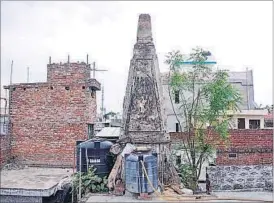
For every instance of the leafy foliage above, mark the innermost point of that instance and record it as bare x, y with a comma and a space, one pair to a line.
186, 174
206, 97
90, 182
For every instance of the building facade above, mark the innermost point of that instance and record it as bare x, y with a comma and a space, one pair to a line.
242, 81
47, 118
4, 134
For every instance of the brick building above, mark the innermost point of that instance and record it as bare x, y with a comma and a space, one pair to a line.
48, 117
244, 147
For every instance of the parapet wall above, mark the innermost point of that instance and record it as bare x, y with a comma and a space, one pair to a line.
241, 177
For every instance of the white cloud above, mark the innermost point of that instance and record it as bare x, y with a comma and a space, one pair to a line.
240, 33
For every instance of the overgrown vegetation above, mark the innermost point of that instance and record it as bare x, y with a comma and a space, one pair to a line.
205, 99
90, 183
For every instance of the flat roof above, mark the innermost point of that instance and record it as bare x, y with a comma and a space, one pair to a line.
32, 181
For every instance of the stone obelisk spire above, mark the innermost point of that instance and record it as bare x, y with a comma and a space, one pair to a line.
143, 121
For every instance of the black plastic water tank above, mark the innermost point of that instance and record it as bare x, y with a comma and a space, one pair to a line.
95, 153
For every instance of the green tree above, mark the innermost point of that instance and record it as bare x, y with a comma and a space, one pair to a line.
206, 96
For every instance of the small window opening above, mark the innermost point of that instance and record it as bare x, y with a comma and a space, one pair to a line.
14, 89
178, 159
90, 130
51, 88
232, 155
24, 88
254, 124
241, 123
177, 97
93, 94
67, 88
83, 87
177, 127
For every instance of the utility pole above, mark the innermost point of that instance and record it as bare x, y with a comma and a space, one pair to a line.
102, 105
94, 69
247, 89
27, 74
11, 67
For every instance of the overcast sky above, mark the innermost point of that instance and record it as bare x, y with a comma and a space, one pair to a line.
239, 34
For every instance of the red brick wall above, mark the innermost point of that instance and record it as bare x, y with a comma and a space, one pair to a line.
67, 72
47, 119
251, 146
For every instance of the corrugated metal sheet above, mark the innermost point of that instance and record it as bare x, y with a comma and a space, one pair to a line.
108, 132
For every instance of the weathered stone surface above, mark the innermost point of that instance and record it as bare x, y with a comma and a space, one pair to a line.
242, 177
143, 116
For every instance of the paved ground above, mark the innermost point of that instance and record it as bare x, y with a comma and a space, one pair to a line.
33, 178
248, 196
266, 196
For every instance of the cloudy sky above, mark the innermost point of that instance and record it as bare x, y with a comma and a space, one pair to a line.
238, 33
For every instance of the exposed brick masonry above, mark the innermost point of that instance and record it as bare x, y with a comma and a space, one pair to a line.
251, 146
48, 118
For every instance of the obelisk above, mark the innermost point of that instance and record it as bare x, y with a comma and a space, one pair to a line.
143, 117
143, 120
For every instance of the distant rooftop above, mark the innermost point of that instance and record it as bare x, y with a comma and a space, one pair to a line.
109, 132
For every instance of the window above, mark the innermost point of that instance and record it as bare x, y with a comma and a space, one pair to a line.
90, 131
232, 155
241, 123
178, 159
268, 123
254, 124
177, 97
67, 88
177, 127
4, 127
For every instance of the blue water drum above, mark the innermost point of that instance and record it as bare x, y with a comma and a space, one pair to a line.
135, 178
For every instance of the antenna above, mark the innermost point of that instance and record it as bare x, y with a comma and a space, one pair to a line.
27, 74
87, 59
94, 70
68, 58
50, 60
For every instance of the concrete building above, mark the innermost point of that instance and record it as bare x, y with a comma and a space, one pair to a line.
248, 119
4, 133
243, 81
48, 117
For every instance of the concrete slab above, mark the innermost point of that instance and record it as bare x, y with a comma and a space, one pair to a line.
32, 181
265, 196
230, 197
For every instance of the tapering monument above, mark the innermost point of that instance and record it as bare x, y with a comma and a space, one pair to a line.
143, 116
